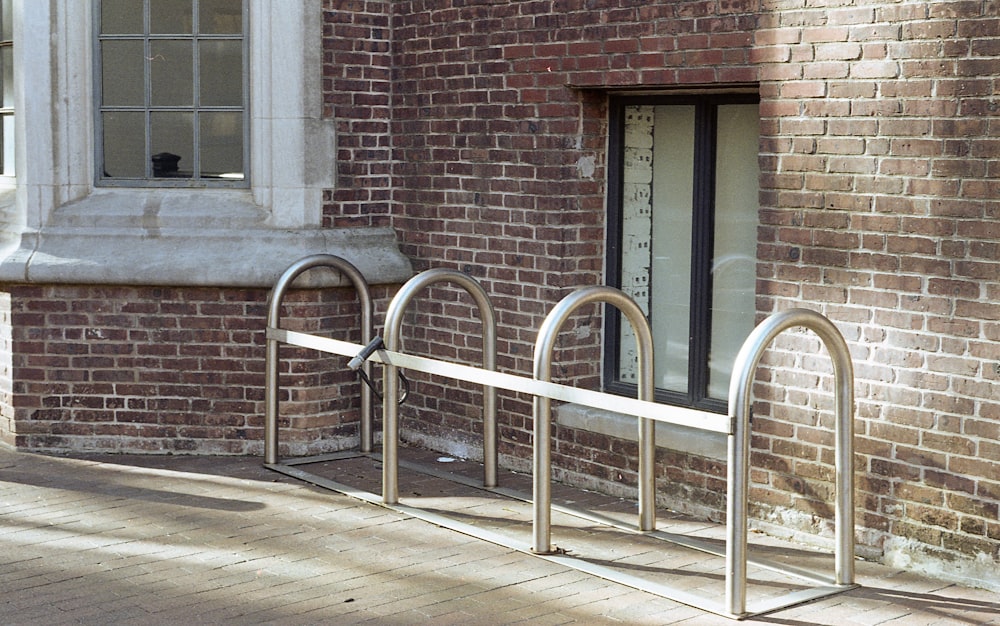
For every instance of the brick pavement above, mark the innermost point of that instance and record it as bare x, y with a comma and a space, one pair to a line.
150, 540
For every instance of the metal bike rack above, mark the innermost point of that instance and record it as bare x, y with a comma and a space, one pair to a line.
275, 336
542, 458
390, 410
739, 450
738, 441
736, 425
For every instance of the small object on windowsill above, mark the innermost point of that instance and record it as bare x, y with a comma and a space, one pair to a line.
165, 165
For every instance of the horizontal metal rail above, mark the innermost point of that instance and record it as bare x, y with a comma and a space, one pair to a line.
736, 425
595, 399
274, 303
393, 341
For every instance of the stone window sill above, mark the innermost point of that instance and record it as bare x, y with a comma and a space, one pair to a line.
188, 238
702, 443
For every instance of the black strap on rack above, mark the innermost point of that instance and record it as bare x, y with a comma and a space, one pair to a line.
359, 359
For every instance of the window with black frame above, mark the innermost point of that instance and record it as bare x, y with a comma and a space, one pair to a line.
682, 238
172, 92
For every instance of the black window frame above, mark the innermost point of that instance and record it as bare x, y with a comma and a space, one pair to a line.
703, 231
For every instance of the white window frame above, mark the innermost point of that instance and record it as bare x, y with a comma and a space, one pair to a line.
63, 228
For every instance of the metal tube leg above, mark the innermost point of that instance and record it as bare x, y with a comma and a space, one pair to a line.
271, 402
490, 436
736, 520
647, 474
844, 468
542, 475
390, 435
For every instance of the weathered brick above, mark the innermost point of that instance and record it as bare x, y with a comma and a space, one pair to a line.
456, 128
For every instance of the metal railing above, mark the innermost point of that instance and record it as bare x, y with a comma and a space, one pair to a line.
542, 457
736, 425
393, 340
274, 302
738, 480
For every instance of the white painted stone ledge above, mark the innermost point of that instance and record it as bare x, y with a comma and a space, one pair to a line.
184, 238
182, 258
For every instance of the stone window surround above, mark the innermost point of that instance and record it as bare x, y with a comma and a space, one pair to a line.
56, 226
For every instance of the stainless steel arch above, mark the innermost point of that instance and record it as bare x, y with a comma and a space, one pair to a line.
735, 425
542, 454
275, 298
740, 386
390, 410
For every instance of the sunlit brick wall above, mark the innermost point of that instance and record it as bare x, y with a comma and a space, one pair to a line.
879, 208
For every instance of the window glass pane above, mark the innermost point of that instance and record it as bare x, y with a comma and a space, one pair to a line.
7, 67
221, 17
122, 70
181, 64
734, 265
170, 17
6, 20
124, 144
172, 144
672, 198
7, 141
172, 73
222, 145
121, 17
637, 177
221, 73
6, 88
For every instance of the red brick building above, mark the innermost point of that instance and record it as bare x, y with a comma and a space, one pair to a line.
719, 161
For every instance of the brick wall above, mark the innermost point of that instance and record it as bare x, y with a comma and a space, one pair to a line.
498, 170
478, 129
879, 207
357, 86
499, 123
169, 370
6, 370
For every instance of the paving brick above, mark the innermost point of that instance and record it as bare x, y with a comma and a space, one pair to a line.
153, 540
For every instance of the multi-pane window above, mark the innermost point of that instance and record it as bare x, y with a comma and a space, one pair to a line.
172, 92
682, 239
6, 88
